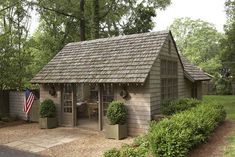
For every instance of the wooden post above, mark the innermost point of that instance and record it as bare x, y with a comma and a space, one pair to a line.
74, 104
100, 115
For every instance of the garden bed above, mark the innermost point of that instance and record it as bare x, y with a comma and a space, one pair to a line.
178, 135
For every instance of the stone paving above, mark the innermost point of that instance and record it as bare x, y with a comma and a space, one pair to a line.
40, 142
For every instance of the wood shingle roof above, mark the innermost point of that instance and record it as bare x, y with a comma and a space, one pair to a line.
193, 72
123, 59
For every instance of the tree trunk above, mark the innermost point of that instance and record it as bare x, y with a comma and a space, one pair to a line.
82, 21
95, 19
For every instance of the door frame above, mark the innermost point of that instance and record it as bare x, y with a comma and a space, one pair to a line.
71, 115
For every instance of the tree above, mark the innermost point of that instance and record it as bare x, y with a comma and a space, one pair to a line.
228, 43
14, 58
62, 22
199, 41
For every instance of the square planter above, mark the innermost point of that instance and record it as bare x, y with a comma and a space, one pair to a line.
116, 131
47, 123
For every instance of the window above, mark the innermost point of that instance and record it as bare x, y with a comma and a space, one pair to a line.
169, 81
94, 93
169, 46
108, 96
67, 98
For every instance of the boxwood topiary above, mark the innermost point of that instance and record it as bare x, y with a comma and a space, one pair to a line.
47, 109
116, 113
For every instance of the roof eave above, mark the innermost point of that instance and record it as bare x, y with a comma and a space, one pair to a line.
188, 76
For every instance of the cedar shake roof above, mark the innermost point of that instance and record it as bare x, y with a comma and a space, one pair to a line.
122, 59
192, 72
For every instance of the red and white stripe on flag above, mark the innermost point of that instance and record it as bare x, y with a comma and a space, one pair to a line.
29, 99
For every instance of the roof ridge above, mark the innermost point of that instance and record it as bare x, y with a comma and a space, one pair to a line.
121, 37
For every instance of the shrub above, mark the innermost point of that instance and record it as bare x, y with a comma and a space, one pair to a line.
116, 113
175, 106
47, 109
112, 153
177, 135
139, 148
5, 119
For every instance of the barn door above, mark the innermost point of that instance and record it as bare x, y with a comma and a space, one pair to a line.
67, 105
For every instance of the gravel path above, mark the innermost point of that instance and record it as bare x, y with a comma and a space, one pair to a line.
88, 143
86, 146
19, 132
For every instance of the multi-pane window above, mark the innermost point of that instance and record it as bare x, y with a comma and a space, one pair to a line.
169, 46
94, 93
169, 80
67, 98
108, 96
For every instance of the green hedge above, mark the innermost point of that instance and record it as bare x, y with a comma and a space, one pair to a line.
128, 151
176, 136
175, 106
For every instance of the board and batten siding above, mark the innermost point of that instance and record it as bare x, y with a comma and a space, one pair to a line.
44, 94
138, 106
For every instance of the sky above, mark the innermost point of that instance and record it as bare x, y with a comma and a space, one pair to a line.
208, 10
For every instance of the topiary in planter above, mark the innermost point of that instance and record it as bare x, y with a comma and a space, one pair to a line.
117, 115
47, 109
47, 114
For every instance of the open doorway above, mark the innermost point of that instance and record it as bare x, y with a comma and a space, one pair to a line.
87, 106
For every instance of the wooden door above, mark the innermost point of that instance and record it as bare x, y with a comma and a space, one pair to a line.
107, 94
67, 105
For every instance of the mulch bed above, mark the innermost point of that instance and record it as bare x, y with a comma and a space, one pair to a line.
11, 123
214, 145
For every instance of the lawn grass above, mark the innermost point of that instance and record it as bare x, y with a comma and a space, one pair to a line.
229, 104
227, 101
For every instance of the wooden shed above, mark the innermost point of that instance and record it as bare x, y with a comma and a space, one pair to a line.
140, 70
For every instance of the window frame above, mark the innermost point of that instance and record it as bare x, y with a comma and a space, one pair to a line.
169, 79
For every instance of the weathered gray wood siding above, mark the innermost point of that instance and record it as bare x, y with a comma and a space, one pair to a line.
199, 90
184, 87
187, 88
16, 105
138, 105
44, 94
155, 87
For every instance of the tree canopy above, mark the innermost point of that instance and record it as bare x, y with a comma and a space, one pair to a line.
61, 22
199, 41
228, 43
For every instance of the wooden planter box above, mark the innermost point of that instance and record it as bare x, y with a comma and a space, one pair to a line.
116, 131
47, 123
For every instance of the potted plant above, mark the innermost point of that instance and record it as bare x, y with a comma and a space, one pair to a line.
47, 113
117, 115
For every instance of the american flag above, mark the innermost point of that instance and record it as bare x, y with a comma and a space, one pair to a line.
29, 99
